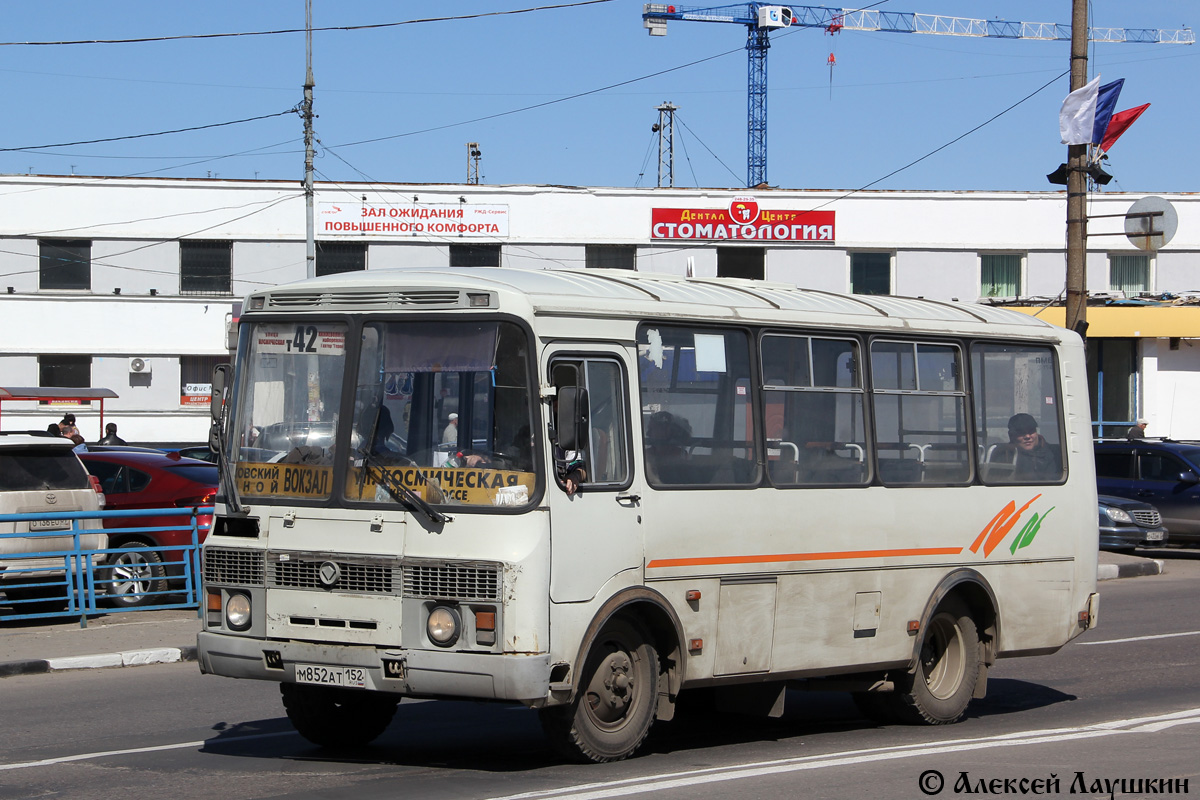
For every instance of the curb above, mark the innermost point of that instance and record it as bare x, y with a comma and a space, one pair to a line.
126, 658
1147, 566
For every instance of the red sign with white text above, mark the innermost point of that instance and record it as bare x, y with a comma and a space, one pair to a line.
743, 220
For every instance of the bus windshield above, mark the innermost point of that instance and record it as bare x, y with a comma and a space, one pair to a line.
443, 408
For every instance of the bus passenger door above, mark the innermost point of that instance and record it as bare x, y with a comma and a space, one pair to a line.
595, 533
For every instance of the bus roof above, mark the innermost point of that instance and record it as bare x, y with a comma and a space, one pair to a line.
620, 293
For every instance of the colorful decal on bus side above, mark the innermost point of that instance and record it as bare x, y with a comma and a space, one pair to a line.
994, 532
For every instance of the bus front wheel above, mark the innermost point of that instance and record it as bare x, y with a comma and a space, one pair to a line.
613, 707
938, 690
337, 718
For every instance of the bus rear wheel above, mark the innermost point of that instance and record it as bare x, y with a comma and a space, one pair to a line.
613, 707
938, 690
337, 718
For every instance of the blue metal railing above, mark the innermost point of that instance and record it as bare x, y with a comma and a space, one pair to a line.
77, 581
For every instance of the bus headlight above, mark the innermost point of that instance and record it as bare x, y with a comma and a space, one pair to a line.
237, 611
443, 626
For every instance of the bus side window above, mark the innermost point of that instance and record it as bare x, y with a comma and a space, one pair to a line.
1016, 387
605, 453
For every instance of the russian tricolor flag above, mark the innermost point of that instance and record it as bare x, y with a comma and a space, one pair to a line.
1086, 112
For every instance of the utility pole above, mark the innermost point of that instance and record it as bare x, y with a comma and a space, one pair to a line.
1076, 306
306, 109
666, 143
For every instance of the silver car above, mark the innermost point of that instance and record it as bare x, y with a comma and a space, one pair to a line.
42, 474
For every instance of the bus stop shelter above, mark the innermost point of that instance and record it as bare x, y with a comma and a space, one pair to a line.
56, 394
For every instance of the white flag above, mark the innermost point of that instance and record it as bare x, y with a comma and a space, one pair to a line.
1078, 114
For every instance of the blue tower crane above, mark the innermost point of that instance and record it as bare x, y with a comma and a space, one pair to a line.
761, 18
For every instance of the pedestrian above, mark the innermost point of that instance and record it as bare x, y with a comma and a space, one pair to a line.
1138, 431
110, 435
66, 426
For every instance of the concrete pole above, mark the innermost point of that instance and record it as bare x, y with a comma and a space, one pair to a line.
1076, 307
307, 109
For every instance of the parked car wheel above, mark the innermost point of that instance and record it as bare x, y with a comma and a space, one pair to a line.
132, 574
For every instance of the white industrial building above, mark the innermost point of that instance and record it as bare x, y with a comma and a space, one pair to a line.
130, 284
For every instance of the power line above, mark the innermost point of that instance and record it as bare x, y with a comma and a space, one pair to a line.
378, 25
706, 147
29, 148
510, 112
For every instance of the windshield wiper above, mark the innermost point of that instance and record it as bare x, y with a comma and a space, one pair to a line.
401, 493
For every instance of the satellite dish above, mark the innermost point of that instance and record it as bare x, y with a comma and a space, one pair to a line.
1148, 232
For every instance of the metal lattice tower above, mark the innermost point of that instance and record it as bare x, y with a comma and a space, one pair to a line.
666, 143
473, 156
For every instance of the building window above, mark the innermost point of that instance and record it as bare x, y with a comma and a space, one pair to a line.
871, 273
205, 267
335, 257
65, 372
475, 255
65, 264
195, 379
741, 262
999, 275
1129, 274
611, 256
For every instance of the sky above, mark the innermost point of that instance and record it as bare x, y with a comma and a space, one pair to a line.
568, 96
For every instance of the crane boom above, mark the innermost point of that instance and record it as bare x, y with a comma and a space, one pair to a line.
761, 18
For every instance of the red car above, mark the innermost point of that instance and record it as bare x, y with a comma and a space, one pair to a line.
143, 478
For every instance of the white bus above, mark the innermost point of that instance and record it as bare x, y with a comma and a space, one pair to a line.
776, 487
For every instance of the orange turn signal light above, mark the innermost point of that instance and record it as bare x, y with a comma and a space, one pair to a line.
692, 595
485, 620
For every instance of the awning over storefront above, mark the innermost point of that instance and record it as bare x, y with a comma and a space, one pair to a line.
59, 395
1136, 322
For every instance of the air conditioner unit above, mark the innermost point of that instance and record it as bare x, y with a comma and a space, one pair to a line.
139, 366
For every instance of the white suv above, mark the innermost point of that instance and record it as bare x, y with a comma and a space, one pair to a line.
42, 474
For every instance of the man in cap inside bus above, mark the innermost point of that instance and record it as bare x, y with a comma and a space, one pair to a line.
450, 434
1035, 457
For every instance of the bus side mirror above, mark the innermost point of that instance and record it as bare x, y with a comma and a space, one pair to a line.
571, 422
220, 381
216, 404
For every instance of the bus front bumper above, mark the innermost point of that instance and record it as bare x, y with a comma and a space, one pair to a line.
419, 673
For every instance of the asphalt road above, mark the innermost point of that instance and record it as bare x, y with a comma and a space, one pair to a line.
1119, 703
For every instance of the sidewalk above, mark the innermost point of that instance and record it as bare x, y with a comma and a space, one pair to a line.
125, 639
154, 637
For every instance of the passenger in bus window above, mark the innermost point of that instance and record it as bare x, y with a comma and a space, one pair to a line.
1035, 457
667, 437
570, 466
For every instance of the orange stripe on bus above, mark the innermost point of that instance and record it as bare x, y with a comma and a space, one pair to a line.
720, 560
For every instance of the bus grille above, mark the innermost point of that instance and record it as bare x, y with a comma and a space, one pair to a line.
1147, 519
452, 581
238, 567
303, 571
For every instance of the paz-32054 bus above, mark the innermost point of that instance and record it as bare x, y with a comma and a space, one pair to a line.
768, 487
